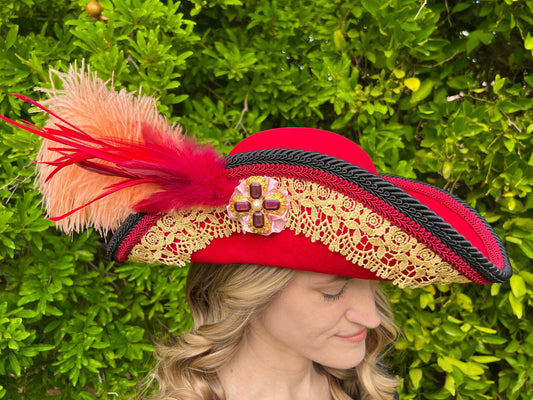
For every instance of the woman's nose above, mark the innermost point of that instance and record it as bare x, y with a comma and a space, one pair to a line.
362, 305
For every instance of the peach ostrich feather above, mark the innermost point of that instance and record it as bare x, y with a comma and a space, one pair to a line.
86, 103
109, 153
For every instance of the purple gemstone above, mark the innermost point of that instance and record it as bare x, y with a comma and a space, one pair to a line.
255, 190
242, 206
271, 204
258, 219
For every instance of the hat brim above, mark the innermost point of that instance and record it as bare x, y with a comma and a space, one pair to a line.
458, 244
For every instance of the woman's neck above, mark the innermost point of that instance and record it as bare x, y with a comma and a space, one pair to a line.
263, 371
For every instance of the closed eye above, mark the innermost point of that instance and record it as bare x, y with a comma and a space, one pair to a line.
335, 296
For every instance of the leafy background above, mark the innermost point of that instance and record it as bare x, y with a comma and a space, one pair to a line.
437, 90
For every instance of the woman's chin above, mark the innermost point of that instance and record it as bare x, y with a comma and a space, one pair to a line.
346, 362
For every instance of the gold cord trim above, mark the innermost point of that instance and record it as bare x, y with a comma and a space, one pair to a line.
321, 214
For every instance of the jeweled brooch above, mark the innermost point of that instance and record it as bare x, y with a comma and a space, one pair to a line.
259, 205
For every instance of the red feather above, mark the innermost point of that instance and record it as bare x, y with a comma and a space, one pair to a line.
186, 174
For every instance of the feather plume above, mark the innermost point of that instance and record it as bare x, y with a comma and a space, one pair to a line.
108, 153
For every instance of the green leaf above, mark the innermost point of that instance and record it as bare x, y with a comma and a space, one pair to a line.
528, 277
415, 374
13, 345
29, 298
26, 313
372, 6
517, 305
449, 384
14, 363
423, 92
11, 36
493, 339
485, 359
510, 107
445, 364
33, 350
398, 73
465, 301
94, 330
495, 289
499, 83
529, 80
484, 329
518, 286
452, 329
509, 144
477, 37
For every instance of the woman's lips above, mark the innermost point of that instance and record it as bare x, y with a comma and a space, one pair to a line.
354, 337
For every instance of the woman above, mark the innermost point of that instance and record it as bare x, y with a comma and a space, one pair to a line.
255, 325
305, 200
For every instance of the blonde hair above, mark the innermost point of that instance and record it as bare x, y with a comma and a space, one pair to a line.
223, 298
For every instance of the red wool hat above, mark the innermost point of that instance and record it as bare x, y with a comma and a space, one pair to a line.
297, 198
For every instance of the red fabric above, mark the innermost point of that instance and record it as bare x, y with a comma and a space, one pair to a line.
310, 140
284, 249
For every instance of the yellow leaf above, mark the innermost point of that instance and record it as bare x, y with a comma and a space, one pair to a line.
339, 40
528, 43
412, 83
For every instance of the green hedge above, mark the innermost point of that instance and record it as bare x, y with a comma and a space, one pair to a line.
435, 90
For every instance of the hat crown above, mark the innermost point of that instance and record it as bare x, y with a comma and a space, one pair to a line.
307, 139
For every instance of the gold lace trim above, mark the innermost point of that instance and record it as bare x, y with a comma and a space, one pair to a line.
321, 214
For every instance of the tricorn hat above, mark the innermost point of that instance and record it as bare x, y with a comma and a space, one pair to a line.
298, 198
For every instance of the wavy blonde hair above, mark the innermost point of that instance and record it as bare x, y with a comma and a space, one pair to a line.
223, 298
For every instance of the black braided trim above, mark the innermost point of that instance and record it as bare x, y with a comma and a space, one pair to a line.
122, 233
507, 269
384, 190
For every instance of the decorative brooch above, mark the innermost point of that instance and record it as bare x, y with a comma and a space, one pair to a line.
259, 205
